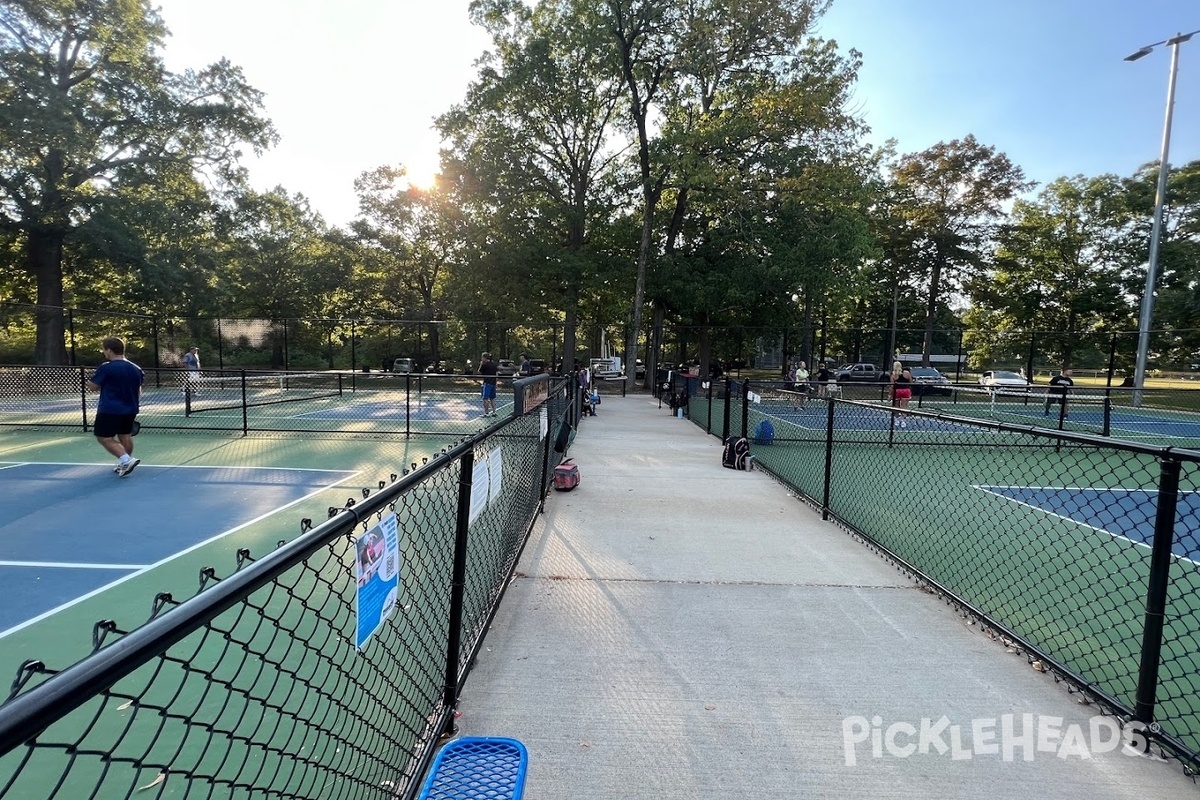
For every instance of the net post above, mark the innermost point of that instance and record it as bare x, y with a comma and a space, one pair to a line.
407, 404
187, 400
827, 492
1156, 590
1106, 427
339, 379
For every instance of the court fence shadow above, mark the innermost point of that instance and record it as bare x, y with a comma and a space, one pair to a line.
1079, 550
331, 666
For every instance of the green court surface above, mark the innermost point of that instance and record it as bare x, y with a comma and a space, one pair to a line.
65, 636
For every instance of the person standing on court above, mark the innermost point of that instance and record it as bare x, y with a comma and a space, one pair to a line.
191, 361
525, 368
487, 368
1057, 393
902, 393
119, 382
824, 376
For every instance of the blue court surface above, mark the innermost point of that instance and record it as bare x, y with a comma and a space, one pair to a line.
1126, 513
69, 530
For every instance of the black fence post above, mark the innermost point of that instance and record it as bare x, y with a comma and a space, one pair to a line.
1156, 590
245, 408
83, 396
458, 582
157, 359
353, 356
728, 400
550, 434
828, 489
408, 404
1112, 361
71, 328
708, 425
745, 409
220, 346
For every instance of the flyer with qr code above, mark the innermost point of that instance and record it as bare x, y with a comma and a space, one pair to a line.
377, 569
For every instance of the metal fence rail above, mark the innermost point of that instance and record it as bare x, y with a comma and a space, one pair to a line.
1082, 550
254, 686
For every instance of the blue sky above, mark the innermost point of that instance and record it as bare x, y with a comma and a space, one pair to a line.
355, 84
1045, 82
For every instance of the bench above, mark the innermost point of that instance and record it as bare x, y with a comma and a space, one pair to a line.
477, 768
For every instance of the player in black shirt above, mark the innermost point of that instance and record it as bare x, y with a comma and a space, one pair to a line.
1057, 393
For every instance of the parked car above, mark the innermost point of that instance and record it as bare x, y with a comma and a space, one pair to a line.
639, 369
1003, 379
537, 366
439, 368
506, 368
404, 365
859, 373
928, 381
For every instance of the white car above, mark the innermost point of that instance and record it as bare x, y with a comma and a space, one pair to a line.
1003, 379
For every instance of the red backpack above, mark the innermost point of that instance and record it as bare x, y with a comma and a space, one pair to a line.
566, 476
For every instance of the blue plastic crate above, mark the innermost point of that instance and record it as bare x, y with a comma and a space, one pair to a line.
478, 768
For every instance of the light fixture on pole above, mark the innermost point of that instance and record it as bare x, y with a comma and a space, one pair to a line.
1147, 312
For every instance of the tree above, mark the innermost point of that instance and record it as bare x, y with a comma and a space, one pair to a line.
86, 105
532, 150
1058, 268
954, 195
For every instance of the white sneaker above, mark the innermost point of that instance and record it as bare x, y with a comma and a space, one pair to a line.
127, 467
903, 423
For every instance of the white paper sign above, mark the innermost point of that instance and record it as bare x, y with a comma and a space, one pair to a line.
496, 472
479, 488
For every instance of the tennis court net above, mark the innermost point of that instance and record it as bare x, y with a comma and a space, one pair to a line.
242, 390
1079, 412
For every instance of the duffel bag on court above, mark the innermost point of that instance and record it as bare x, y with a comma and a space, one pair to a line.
566, 476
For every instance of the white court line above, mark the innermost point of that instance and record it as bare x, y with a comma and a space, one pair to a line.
67, 565
170, 558
18, 464
991, 489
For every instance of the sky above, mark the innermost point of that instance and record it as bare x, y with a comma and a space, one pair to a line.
355, 84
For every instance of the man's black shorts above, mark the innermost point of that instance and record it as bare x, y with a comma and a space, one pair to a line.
110, 425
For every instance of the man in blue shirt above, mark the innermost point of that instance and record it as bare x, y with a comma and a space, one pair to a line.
488, 369
119, 382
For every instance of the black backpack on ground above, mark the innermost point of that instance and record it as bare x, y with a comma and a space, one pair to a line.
736, 454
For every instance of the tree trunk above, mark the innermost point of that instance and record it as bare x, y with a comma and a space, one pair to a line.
44, 252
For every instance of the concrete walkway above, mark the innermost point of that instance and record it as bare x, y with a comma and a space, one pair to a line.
679, 630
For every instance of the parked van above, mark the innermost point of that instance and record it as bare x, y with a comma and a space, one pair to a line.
404, 366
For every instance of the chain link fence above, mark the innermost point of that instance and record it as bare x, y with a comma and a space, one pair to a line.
1078, 550
261, 684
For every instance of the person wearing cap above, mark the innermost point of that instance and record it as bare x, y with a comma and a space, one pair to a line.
487, 368
191, 361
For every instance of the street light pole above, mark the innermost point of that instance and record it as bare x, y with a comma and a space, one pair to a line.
1146, 317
